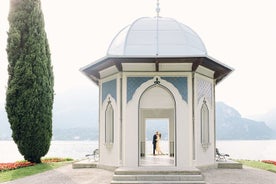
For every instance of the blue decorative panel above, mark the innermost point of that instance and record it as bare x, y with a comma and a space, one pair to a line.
109, 88
133, 83
181, 84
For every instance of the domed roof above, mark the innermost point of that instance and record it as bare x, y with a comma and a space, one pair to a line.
155, 44
157, 36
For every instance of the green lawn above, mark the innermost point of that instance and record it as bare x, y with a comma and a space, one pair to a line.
27, 171
258, 164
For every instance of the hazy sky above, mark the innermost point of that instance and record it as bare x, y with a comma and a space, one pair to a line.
238, 33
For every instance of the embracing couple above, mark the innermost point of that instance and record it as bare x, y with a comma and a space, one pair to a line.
156, 143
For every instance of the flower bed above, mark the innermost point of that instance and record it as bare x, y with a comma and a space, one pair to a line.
269, 162
49, 160
20, 164
15, 165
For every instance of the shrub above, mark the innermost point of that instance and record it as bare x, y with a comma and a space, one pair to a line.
30, 93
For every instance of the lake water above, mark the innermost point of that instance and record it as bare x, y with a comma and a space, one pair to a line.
252, 150
68, 149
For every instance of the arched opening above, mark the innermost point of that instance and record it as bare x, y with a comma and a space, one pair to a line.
157, 105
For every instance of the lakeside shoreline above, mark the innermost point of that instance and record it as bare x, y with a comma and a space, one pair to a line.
246, 149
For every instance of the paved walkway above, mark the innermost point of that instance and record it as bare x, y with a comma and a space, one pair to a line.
67, 175
247, 175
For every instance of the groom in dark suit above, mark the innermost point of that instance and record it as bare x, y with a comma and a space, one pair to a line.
154, 142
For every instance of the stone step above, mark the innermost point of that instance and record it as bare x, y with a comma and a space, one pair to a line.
156, 171
84, 164
159, 182
158, 177
229, 165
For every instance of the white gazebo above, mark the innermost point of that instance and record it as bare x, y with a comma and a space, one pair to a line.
156, 68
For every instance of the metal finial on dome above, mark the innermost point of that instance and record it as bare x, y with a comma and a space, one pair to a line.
157, 8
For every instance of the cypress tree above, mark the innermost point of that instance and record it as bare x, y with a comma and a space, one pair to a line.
30, 94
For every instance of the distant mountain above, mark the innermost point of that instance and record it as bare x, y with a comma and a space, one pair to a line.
75, 117
269, 118
230, 125
76, 108
75, 134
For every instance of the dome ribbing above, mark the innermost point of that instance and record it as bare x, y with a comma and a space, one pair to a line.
156, 36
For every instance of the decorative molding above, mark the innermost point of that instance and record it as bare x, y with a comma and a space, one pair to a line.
175, 67
108, 71
205, 71
156, 81
132, 67
205, 126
